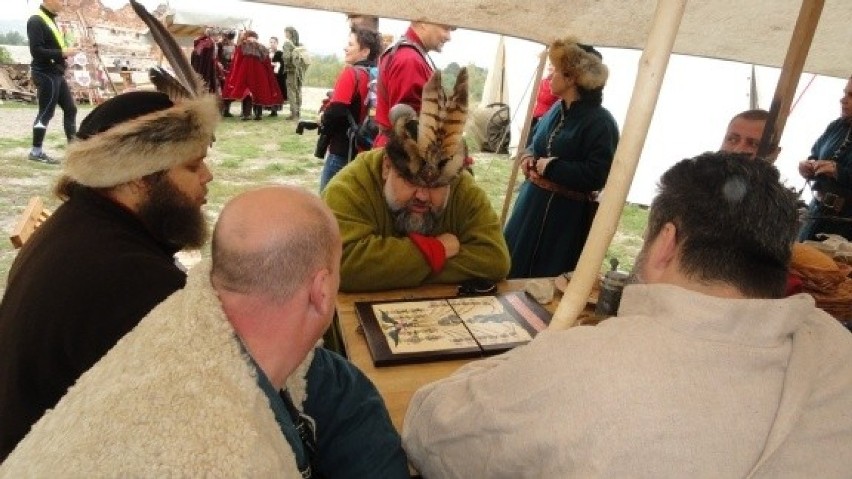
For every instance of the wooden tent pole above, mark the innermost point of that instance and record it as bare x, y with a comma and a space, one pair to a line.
525, 133
649, 80
794, 62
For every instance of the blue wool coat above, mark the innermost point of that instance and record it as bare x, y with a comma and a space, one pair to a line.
823, 149
546, 231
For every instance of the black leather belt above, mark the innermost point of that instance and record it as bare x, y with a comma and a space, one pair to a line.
832, 201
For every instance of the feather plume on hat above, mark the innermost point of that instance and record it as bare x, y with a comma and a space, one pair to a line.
581, 61
139, 133
429, 151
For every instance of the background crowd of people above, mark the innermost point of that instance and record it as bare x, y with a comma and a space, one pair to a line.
243, 69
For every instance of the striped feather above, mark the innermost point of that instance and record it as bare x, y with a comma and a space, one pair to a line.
165, 83
456, 115
184, 73
431, 115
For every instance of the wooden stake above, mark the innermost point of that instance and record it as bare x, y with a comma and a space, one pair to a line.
90, 36
649, 79
522, 142
794, 62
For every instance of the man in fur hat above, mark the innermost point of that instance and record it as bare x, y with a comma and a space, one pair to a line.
225, 378
409, 213
707, 371
134, 183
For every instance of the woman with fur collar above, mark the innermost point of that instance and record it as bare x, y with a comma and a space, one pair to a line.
566, 165
224, 378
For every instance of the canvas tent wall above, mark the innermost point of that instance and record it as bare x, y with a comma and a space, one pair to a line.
755, 32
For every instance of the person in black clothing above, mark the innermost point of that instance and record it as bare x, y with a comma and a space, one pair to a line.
348, 100
828, 170
280, 74
133, 184
225, 55
48, 50
204, 62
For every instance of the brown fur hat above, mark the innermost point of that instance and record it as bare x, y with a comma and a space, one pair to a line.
582, 62
139, 133
429, 152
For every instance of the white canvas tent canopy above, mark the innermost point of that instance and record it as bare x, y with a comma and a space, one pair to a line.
756, 31
809, 35
183, 22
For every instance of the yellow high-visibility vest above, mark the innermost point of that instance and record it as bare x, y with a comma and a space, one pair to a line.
53, 28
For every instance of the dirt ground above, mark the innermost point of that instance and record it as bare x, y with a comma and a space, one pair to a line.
17, 122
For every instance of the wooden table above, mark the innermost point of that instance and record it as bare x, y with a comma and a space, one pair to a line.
398, 383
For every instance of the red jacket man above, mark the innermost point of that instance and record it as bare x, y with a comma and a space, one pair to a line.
404, 69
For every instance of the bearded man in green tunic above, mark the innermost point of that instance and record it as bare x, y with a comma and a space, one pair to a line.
410, 213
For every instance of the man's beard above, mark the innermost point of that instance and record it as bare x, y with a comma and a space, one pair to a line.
172, 216
405, 221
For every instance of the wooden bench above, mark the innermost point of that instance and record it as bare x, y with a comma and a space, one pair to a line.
32, 217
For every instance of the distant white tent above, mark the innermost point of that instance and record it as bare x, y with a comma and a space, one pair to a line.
496, 88
489, 125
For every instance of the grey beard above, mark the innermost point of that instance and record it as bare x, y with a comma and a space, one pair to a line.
406, 222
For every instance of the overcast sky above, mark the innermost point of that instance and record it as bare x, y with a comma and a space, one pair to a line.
321, 32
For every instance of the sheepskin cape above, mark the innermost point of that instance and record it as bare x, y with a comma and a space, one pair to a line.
177, 396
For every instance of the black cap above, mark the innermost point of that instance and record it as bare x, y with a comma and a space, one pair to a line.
121, 108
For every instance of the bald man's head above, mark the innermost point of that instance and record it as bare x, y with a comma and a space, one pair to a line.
270, 241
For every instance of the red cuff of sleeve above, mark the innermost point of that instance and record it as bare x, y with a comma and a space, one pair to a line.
432, 249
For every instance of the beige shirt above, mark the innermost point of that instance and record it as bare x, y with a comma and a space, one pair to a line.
679, 385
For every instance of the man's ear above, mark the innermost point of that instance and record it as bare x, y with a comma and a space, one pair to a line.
386, 166
131, 194
322, 294
661, 255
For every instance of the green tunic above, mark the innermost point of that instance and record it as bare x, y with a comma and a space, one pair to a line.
376, 257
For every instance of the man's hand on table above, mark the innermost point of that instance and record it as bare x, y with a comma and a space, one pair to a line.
451, 244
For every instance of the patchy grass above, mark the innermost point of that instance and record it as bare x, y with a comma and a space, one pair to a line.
246, 154
628, 237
